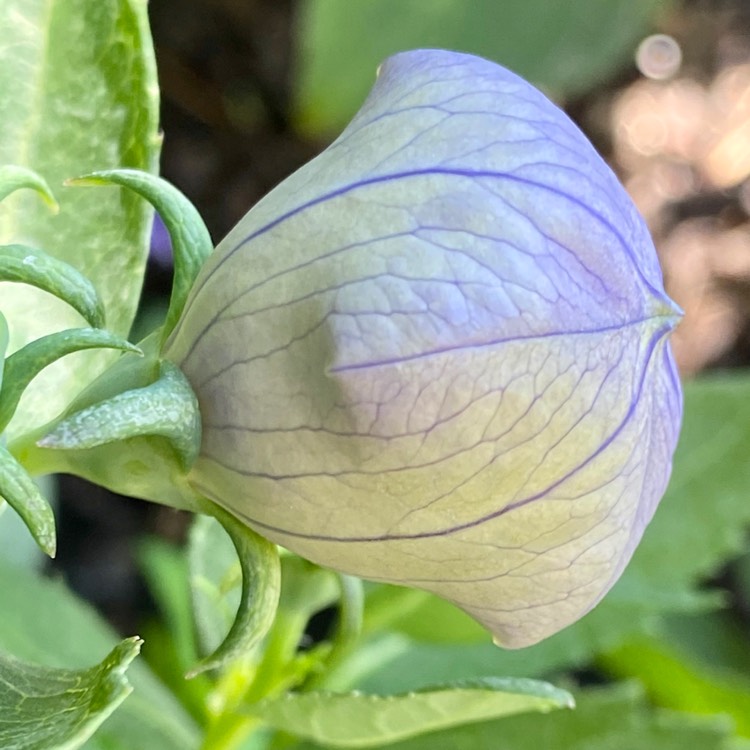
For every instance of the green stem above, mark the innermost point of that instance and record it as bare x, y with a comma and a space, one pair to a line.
348, 629
270, 678
230, 732
233, 725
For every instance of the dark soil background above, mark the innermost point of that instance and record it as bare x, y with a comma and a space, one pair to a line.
681, 145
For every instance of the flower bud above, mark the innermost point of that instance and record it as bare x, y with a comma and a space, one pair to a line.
437, 355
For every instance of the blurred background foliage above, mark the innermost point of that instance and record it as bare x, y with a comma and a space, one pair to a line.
254, 88
560, 46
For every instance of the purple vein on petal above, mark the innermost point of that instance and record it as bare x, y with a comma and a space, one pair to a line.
206, 325
653, 343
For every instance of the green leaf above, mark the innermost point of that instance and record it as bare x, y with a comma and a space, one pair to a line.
14, 178
31, 266
215, 581
79, 93
17, 546
706, 509
741, 576
394, 662
674, 678
170, 642
22, 494
564, 47
259, 593
611, 719
43, 622
191, 242
357, 720
59, 709
165, 568
717, 640
25, 364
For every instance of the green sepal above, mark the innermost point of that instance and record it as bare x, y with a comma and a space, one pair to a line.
13, 177
29, 265
191, 242
25, 364
49, 708
166, 408
146, 466
22, 494
259, 598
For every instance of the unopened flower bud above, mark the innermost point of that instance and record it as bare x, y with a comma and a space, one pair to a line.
437, 355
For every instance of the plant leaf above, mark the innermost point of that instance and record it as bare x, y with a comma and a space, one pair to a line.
25, 364
59, 709
43, 622
357, 720
675, 679
17, 546
706, 508
14, 178
215, 581
31, 266
165, 568
171, 647
716, 640
611, 719
191, 242
566, 48
79, 93
22, 494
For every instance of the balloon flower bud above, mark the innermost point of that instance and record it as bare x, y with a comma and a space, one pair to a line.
437, 355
